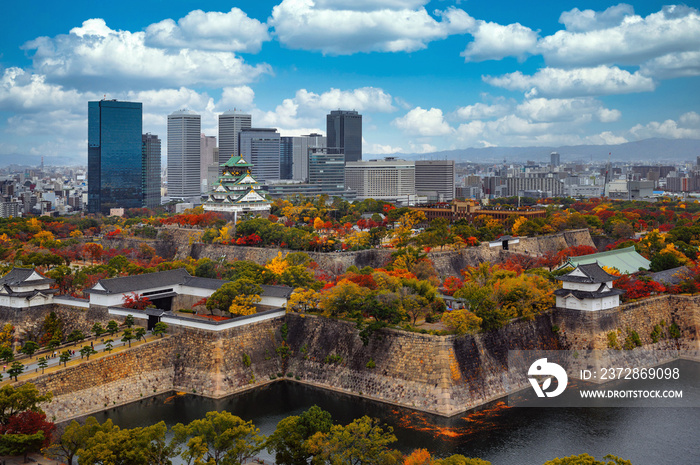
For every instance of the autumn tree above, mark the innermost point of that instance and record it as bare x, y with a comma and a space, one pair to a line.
585, 459
342, 299
303, 300
74, 438
226, 295
289, 441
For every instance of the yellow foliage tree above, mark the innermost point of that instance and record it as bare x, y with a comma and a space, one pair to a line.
7, 335
242, 305
34, 224
4, 238
319, 223
42, 237
303, 300
278, 264
224, 234
419, 457
671, 249
77, 234
518, 225
462, 321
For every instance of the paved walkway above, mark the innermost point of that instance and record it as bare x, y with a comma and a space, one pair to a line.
31, 458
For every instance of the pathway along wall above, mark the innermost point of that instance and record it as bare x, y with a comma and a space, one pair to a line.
445, 375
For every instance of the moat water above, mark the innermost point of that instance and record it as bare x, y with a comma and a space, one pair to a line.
501, 435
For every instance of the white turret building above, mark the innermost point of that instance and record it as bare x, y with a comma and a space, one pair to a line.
589, 288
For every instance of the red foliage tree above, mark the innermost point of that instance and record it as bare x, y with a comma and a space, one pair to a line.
136, 301
29, 422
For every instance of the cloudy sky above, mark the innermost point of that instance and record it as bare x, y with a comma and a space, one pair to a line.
426, 75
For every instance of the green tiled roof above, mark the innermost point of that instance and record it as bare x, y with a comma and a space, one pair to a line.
236, 161
625, 260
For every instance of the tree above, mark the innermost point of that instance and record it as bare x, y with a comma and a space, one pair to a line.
137, 302
25, 397
362, 442
298, 276
289, 440
223, 297
128, 336
42, 364
112, 327
25, 432
129, 321
7, 335
15, 370
160, 328
219, 438
65, 357
76, 336
98, 329
461, 460
462, 321
86, 351
74, 438
29, 348
585, 459
108, 345
303, 300
6, 354
342, 299
94, 251
140, 334
52, 328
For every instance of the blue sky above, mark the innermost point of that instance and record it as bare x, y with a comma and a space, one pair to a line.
426, 75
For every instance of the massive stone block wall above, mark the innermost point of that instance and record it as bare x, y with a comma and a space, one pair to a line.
30, 321
438, 374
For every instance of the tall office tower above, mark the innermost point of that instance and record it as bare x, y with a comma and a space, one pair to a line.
184, 130
230, 125
344, 131
389, 179
286, 156
207, 150
555, 159
436, 179
150, 145
114, 155
327, 169
261, 148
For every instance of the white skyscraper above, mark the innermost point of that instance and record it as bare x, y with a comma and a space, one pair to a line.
230, 125
184, 130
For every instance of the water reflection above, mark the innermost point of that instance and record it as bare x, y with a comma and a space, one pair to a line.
502, 435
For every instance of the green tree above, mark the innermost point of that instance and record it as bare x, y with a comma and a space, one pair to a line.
76, 336
22, 398
74, 438
140, 333
98, 329
42, 364
86, 351
362, 442
112, 327
15, 370
6, 354
219, 438
223, 297
248, 270
289, 440
129, 321
29, 348
108, 345
65, 357
160, 328
585, 459
128, 336
461, 460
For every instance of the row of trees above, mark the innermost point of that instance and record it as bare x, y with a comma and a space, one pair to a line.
223, 438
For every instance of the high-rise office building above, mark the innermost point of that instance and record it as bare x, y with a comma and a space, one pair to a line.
327, 169
184, 130
295, 154
436, 179
554, 159
208, 157
261, 147
344, 132
389, 179
115, 158
150, 145
231, 123
286, 156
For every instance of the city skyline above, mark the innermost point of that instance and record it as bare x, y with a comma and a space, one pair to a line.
425, 75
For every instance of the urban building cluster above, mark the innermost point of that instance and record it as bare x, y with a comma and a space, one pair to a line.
124, 170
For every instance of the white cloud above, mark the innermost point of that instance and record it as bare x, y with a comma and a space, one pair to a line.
494, 41
559, 110
240, 97
55, 122
334, 29
669, 129
169, 100
422, 148
482, 111
22, 91
121, 58
423, 122
605, 138
379, 149
683, 64
635, 40
213, 30
370, 5
601, 80
588, 20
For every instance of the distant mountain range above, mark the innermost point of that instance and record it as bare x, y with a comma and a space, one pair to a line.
648, 151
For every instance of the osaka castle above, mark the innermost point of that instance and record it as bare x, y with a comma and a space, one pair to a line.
237, 191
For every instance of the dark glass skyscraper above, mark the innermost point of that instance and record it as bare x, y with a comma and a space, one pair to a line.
115, 175
151, 170
344, 133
